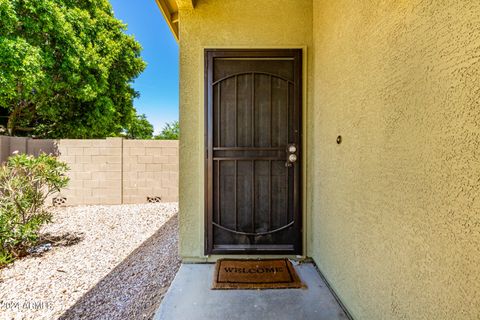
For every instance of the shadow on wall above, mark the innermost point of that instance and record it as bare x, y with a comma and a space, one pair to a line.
8, 145
135, 288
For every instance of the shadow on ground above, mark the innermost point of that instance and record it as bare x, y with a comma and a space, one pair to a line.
135, 287
48, 240
61, 240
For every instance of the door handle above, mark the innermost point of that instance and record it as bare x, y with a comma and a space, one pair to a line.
292, 155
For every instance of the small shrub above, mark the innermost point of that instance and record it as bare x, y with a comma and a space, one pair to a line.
25, 184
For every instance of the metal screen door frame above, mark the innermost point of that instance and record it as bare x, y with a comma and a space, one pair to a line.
261, 54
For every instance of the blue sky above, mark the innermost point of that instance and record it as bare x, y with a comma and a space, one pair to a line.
158, 84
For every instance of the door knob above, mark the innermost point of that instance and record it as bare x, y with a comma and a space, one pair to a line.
292, 155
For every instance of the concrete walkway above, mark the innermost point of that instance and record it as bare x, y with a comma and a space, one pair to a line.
190, 297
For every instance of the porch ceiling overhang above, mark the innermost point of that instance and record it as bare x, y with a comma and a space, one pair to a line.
169, 9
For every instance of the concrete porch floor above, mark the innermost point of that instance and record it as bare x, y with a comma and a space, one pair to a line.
190, 297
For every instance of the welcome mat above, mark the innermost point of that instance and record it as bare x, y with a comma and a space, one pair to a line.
255, 274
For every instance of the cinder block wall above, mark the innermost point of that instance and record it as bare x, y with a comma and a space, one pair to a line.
109, 171
9, 145
4, 148
150, 169
95, 170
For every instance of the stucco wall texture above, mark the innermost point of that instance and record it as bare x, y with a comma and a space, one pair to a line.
396, 207
393, 212
228, 24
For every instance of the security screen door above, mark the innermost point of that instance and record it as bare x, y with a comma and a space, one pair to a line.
253, 104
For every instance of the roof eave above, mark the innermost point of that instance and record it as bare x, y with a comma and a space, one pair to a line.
169, 10
170, 15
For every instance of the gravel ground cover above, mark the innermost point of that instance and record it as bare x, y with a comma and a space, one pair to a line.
106, 262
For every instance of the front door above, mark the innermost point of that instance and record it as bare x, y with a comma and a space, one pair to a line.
253, 151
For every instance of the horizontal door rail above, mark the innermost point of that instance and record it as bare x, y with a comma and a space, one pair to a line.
249, 149
249, 158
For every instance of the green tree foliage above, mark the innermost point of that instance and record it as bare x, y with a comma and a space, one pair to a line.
139, 128
171, 131
25, 184
66, 68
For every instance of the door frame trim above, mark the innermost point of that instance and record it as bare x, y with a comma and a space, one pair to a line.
299, 55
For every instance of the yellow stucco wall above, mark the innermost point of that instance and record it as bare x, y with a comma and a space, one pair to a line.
228, 24
394, 211
396, 225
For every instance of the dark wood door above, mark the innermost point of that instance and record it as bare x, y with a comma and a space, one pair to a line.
253, 151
